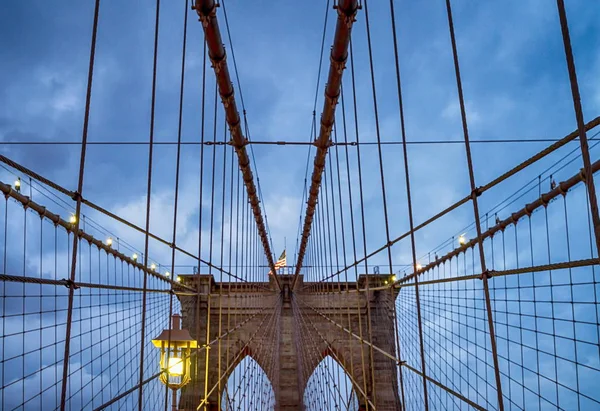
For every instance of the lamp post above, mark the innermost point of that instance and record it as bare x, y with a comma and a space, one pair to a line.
175, 348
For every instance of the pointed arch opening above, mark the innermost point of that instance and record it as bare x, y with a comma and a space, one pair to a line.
330, 388
248, 388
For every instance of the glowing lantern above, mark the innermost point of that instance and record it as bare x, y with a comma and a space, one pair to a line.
175, 349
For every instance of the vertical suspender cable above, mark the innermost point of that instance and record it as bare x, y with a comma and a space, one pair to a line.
200, 208
88, 99
176, 194
384, 197
206, 10
210, 247
372, 393
339, 53
148, 198
585, 152
351, 207
410, 213
474, 194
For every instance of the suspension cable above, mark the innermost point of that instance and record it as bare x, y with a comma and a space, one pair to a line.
339, 53
84, 136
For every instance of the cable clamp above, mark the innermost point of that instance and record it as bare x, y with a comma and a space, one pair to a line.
339, 65
486, 274
76, 196
70, 284
348, 18
229, 99
476, 192
327, 127
218, 63
204, 17
561, 190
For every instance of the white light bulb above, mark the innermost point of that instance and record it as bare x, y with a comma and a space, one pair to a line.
175, 367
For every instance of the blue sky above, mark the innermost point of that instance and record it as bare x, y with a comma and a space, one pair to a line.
514, 77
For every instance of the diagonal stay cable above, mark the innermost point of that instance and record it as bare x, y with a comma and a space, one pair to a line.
192, 354
542, 201
242, 351
543, 153
102, 210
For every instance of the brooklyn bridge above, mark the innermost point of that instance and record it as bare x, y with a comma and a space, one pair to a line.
319, 205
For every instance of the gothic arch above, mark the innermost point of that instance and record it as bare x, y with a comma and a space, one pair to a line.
343, 392
236, 381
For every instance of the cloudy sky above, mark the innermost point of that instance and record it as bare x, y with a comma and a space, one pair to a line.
515, 85
514, 75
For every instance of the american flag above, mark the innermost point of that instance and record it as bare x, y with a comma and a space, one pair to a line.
280, 263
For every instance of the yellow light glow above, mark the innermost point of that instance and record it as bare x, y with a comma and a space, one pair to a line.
419, 266
134, 256
153, 266
167, 274
72, 219
393, 279
109, 241
462, 240
178, 279
175, 367
385, 282
18, 184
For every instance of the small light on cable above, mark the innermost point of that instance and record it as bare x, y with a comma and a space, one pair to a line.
178, 279
109, 241
419, 266
167, 274
73, 219
153, 266
393, 279
134, 256
462, 240
18, 184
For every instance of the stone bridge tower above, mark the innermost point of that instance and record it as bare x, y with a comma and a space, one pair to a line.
302, 319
